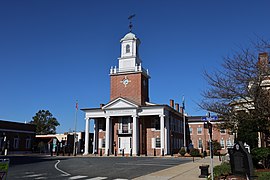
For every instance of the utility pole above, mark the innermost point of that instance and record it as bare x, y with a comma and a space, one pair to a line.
184, 120
211, 149
210, 142
75, 134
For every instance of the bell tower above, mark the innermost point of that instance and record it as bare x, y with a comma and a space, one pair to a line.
130, 80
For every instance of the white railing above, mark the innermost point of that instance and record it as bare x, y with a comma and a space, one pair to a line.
137, 68
124, 131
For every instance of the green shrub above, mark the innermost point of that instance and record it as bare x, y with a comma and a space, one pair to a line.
260, 154
182, 151
222, 170
195, 152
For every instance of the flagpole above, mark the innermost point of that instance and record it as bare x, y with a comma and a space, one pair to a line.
75, 126
184, 119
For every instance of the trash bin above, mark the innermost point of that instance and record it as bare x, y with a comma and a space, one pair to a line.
4, 164
204, 171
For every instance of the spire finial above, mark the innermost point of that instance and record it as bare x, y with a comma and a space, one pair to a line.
130, 23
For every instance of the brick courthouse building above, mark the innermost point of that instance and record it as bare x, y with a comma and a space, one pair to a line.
129, 123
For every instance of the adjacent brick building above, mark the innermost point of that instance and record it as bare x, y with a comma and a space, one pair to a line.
199, 135
16, 137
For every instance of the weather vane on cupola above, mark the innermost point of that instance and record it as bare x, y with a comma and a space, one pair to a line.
130, 23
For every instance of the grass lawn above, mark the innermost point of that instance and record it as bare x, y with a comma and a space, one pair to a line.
263, 175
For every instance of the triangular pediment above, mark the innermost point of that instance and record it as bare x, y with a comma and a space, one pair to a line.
120, 103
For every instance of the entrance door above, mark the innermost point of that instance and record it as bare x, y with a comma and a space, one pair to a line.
124, 143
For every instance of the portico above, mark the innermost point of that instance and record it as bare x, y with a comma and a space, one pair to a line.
122, 121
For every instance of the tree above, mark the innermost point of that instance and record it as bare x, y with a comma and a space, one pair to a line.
45, 122
216, 146
239, 92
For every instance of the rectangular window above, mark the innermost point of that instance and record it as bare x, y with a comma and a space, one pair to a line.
200, 143
124, 126
229, 143
28, 143
16, 143
222, 143
190, 130
103, 143
155, 124
119, 143
158, 143
222, 131
1, 142
199, 130
101, 125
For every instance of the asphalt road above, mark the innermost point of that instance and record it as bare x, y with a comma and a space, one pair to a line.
95, 168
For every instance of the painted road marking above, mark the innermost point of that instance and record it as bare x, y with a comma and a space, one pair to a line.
77, 177
97, 178
41, 178
33, 175
149, 164
63, 172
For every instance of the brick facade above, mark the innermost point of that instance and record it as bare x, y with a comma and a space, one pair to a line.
136, 89
19, 136
221, 136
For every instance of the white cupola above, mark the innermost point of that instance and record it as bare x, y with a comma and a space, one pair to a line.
129, 58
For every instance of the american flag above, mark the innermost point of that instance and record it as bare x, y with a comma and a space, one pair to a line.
77, 106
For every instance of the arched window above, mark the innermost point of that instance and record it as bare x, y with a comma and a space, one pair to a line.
127, 48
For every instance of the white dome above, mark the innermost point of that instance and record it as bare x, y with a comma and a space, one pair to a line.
128, 36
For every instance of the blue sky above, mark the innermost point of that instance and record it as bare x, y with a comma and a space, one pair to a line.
55, 52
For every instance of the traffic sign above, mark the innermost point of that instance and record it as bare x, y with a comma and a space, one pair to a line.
211, 118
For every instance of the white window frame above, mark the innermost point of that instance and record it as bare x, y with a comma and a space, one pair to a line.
228, 144
190, 128
16, 142
198, 130
222, 142
1, 142
222, 131
200, 140
120, 125
128, 48
157, 142
28, 143
101, 142
154, 143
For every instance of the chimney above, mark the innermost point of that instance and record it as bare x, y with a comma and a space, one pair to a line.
177, 107
263, 60
181, 110
172, 103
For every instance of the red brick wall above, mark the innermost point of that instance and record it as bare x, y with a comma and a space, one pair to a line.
135, 90
205, 136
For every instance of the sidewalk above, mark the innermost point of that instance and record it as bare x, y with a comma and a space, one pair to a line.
189, 171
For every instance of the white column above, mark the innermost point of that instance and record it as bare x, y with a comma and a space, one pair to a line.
135, 133
107, 135
86, 143
184, 119
162, 137
110, 135
167, 136
94, 138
